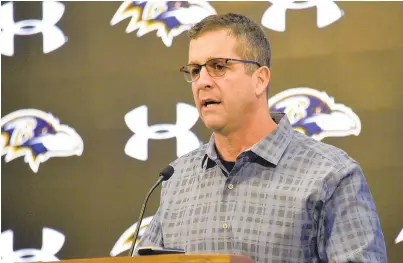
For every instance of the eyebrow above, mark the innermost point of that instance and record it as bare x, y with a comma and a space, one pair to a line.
195, 62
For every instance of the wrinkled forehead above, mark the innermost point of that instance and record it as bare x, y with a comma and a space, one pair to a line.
212, 44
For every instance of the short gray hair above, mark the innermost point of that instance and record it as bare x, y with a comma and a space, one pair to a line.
252, 41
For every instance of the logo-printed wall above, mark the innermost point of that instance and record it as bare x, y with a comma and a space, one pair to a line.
94, 106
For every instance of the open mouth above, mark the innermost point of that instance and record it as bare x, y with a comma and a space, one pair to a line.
210, 103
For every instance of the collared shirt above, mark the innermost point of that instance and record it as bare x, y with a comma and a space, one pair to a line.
289, 198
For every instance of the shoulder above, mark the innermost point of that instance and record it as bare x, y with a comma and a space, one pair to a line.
326, 164
186, 168
319, 152
188, 164
190, 160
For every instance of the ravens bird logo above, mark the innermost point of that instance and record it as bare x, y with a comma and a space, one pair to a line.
125, 241
37, 136
168, 18
315, 114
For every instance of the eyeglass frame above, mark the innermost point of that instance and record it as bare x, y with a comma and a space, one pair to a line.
226, 61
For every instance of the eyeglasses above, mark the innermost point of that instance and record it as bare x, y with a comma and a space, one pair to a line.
215, 67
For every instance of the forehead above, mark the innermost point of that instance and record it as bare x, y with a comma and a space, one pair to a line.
212, 44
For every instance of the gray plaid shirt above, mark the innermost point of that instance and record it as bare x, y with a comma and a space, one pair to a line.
289, 198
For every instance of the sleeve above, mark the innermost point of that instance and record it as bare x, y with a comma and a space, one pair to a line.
152, 235
351, 228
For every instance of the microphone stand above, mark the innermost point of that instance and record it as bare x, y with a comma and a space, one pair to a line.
143, 208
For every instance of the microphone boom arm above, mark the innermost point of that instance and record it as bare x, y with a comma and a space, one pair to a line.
143, 208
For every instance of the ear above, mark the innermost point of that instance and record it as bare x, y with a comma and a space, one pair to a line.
262, 80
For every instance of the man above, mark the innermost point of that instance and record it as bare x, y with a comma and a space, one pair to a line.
259, 188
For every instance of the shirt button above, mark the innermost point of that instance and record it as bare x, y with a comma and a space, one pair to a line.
230, 186
225, 226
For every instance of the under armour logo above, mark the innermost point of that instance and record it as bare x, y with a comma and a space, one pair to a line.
52, 242
137, 121
53, 37
275, 16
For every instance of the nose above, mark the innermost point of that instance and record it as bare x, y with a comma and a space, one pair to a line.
205, 80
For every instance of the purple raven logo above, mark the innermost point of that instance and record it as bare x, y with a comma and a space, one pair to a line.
37, 136
168, 18
315, 114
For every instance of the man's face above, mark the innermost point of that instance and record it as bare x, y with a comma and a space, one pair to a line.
233, 93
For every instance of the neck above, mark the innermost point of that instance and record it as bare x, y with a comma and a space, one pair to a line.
258, 126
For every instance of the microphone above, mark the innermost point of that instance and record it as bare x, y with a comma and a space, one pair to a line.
164, 176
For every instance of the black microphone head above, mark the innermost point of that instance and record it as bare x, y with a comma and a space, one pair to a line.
167, 172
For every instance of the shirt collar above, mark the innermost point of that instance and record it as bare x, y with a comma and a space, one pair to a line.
270, 148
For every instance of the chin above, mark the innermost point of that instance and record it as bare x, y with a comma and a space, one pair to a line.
213, 125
